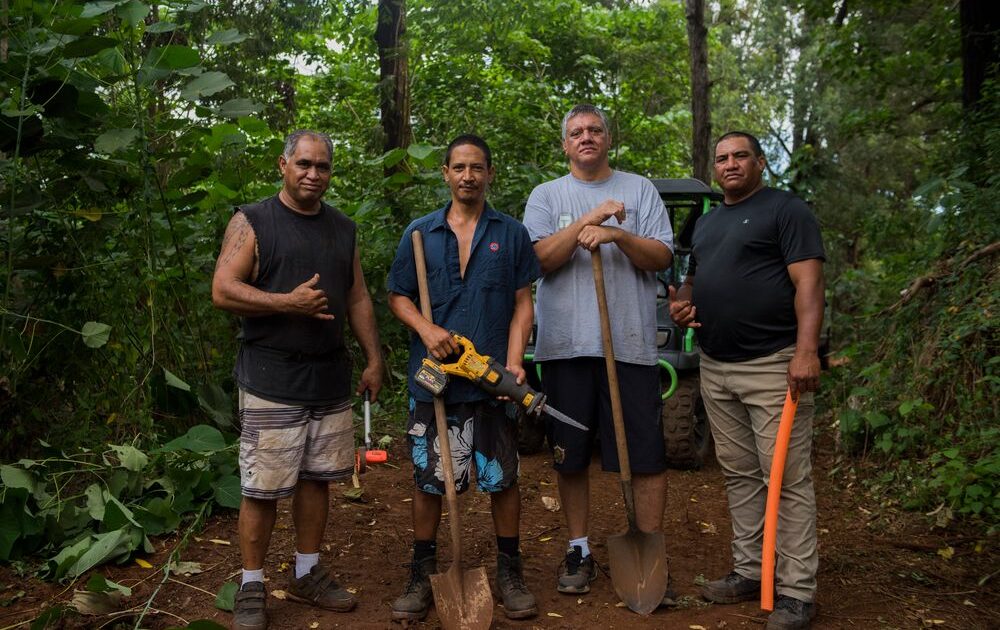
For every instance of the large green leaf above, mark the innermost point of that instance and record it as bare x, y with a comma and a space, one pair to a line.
100, 7
200, 439
228, 36
420, 151
161, 27
87, 46
133, 12
130, 457
226, 597
174, 57
11, 511
215, 402
239, 107
227, 492
102, 548
112, 141
207, 84
175, 381
14, 477
95, 501
95, 334
117, 516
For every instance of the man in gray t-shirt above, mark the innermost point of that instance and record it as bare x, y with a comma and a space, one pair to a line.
596, 206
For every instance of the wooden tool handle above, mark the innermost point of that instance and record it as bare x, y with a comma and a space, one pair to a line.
613, 389
440, 417
773, 501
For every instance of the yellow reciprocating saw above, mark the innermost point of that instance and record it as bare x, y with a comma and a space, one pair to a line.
487, 373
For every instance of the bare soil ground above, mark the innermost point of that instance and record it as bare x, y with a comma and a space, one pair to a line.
880, 568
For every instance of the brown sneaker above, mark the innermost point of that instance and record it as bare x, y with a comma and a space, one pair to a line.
732, 589
250, 607
317, 588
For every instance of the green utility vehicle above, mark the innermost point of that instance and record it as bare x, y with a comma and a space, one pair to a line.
685, 423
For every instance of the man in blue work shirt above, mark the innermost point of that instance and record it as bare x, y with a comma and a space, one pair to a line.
480, 266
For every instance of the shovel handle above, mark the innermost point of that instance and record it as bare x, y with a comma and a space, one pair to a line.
440, 417
616, 396
773, 500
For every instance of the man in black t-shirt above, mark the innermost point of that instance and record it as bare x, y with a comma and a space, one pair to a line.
290, 267
754, 293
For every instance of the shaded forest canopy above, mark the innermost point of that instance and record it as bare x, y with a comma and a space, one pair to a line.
129, 130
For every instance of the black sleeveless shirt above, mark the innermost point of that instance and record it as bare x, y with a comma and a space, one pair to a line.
294, 359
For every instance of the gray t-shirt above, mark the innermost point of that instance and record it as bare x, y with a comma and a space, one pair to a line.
569, 324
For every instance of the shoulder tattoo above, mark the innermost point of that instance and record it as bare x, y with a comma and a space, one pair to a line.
238, 232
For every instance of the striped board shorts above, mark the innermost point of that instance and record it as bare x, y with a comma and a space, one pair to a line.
280, 444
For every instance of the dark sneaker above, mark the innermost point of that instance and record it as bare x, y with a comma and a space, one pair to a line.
416, 600
731, 589
518, 602
317, 588
670, 597
791, 614
250, 607
576, 572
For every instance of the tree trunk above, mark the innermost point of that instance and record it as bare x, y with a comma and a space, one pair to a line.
980, 49
394, 98
701, 137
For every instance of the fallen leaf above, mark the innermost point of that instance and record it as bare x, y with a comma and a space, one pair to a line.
696, 627
546, 539
142, 563
620, 605
282, 567
351, 590
551, 504
216, 541
186, 568
90, 603
707, 528
354, 494
407, 500
693, 500
314, 624
555, 615
579, 600
946, 552
279, 594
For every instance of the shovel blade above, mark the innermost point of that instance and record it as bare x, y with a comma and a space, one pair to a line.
463, 599
639, 569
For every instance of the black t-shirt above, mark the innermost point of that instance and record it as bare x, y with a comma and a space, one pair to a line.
744, 296
295, 359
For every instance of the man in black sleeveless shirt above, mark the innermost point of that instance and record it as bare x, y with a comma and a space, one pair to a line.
757, 305
290, 267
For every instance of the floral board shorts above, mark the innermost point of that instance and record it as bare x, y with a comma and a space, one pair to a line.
280, 444
481, 434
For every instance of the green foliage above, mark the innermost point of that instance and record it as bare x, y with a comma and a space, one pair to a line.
83, 509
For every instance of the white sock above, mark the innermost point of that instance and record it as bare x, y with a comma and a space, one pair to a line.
256, 575
304, 562
582, 544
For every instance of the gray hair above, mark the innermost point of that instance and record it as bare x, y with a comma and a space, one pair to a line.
584, 108
292, 142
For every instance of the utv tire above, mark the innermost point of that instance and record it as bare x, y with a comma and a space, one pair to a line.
685, 426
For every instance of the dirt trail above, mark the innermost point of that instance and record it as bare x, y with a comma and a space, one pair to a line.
879, 567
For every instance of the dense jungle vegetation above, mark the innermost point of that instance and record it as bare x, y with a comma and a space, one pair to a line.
129, 129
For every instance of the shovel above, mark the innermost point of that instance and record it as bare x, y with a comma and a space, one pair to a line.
773, 499
463, 600
638, 559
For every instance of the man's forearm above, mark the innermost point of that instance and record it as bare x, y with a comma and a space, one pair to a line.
244, 300
647, 254
809, 298
555, 250
520, 327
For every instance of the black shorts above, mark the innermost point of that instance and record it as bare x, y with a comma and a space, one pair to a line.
482, 436
579, 388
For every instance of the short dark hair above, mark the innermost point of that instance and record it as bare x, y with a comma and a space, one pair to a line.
584, 108
474, 140
292, 142
754, 142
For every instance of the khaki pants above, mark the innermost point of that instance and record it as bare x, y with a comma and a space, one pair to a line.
744, 402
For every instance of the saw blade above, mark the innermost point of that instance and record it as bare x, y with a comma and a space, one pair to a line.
561, 417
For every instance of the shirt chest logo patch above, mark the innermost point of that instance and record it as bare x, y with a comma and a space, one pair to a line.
494, 247
746, 221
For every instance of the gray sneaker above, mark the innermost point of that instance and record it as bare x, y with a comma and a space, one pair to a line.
318, 588
250, 607
791, 614
518, 602
576, 572
416, 600
732, 589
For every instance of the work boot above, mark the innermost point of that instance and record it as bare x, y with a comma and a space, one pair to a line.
576, 572
417, 598
250, 607
317, 588
732, 589
791, 614
518, 602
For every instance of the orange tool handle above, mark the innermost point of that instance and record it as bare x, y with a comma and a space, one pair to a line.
773, 499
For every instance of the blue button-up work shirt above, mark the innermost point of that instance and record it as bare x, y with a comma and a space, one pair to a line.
478, 306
